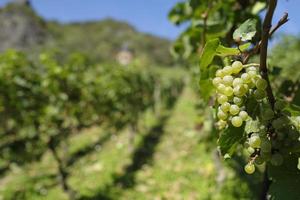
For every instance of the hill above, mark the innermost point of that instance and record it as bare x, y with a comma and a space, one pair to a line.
99, 40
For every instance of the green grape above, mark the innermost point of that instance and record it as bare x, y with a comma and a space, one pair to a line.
240, 90
225, 107
237, 82
244, 115
228, 91
237, 121
259, 94
266, 146
246, 87
249, 168
222, 99
237, 66
250, 150
221, 88
234, 109
219, 73
221, 124
267, 114
246, 78
279, 105
252, 74
276, 159
259, 160
227, 80
238, 101
251, 69
217, 81
251, 84
222, 115
254, 141
227, 70
261, 84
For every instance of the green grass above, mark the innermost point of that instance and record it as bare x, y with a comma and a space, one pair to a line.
169, 161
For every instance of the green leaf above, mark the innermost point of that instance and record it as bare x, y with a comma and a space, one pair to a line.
226, 51
293, 109
258, 7
206, 59
246, 31
245, 46
230, 139
285, 179
208, 53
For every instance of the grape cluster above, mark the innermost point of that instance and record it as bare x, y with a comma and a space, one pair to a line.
233, 84
277, 133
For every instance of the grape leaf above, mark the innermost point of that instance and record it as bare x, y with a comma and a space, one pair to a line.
258, 7
226, 51
209, 53
246, 31
285, 179
207, 57
293, 109
229, 139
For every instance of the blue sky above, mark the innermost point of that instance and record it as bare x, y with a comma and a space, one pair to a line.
146, 15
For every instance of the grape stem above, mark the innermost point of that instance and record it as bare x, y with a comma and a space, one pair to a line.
252, 65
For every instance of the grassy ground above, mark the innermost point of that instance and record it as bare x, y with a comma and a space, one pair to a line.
169, 161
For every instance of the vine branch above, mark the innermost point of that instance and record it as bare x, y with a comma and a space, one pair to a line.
256, 49
267, 24
267, 30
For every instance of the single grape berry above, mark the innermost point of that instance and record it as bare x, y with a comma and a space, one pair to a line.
227, 70
225, 107
217, 81
237, 66
261, 84
221, 124
228, 91
219, 73
234, 109
246, 78
252, 74
254, 141
237, 121
222, 99
222, 115
251, 69
237, 82
227, 80
259, 160
259, 94
249, 168
244, 115
238, 101
250, 150
221, 88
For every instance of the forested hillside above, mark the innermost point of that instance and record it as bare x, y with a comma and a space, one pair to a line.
99, 40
